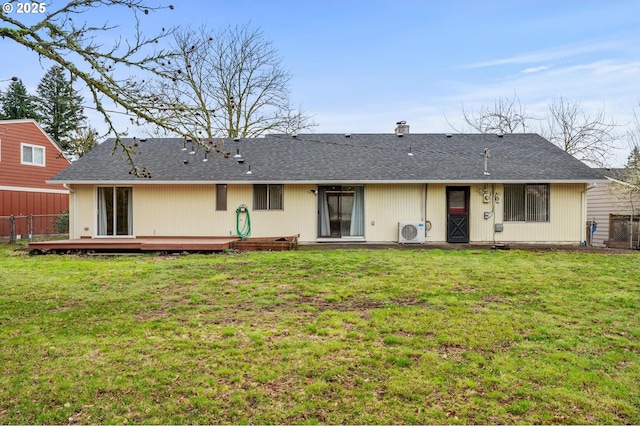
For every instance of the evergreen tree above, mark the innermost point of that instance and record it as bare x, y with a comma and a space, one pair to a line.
17, 103
632, 169
633, 160
59, 106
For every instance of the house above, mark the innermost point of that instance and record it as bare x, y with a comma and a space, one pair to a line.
613, 206
28, 157
397, 187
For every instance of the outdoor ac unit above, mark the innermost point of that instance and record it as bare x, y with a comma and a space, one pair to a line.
411, 232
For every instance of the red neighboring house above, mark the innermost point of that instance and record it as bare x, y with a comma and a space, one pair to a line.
28, 157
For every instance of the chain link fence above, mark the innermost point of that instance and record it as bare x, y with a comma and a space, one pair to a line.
35, 226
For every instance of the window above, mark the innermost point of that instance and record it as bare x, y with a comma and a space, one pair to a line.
221, 197
526, 203
340, 211
268, 197
115, 211
32, 154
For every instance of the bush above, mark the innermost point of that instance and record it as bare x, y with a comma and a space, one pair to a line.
61, 222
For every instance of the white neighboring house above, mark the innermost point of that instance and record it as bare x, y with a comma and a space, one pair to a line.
613, 206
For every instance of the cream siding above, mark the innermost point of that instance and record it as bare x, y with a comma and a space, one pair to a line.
82, 220
483, 229
566, 219
564, 226
386, 205
298, 217
437, 212
480, 229
173, 210
189, 210
192, 212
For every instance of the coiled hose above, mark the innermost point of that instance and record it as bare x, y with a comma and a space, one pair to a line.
245, 230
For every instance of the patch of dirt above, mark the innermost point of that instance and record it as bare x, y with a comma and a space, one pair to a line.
321, 305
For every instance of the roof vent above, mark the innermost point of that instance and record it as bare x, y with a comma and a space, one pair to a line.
294, 135
236, 139
449, 135
402, 128
486, 162
501, 135
347, 135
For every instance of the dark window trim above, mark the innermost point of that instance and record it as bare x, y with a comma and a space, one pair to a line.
526, 213
266, 203
221, 197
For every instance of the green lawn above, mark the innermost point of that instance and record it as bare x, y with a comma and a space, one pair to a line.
345, 336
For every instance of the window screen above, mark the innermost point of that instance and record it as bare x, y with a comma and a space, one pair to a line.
526, 203
268, 197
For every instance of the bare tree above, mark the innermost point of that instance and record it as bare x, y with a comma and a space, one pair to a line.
63, 38
226, 83
507, 115
588, 137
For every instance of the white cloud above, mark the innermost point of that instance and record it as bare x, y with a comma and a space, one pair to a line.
547, 55
535, 69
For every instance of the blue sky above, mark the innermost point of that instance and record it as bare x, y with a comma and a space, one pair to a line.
361, 66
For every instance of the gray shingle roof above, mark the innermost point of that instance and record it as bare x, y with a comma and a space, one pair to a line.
325, 158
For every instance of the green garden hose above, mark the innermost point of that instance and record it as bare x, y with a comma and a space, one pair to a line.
246, 226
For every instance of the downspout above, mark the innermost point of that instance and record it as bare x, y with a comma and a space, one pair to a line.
583, 214
424, 203
72, 236
424, 210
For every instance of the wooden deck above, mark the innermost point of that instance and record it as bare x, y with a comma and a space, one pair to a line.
142, 244
162, 244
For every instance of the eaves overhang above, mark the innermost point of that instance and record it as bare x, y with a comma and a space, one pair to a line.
320, 182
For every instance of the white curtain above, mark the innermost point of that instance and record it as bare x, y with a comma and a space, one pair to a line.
102, 211
323, 208
115, 211
129, 211
357, 212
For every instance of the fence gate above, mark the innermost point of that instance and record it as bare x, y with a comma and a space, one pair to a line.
621, 230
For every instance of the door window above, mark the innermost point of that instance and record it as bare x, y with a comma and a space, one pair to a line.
115, 211
457, 202
341, 211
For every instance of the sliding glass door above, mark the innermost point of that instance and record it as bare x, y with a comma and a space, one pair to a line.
340, 211
115, 211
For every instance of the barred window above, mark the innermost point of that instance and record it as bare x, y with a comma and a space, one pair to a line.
268, 197
526, 203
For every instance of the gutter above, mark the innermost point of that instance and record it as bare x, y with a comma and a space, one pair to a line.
319, 182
